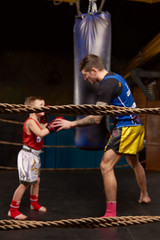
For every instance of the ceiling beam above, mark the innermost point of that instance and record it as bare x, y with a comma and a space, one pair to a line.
146, 54
146, 1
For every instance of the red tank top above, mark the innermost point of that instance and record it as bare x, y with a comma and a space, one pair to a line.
31, 140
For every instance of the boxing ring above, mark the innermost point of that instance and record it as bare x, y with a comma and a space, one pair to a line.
84, 222
73, 195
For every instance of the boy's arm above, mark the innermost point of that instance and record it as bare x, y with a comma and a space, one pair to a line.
32, 126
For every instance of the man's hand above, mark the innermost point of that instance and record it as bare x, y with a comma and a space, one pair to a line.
87, 121
60, 124
51, 125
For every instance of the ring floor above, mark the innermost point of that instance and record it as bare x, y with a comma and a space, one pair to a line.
78, 194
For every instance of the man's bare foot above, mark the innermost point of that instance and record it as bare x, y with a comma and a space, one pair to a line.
144, 199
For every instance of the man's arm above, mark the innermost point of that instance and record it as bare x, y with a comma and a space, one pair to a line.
91, 119
87, 121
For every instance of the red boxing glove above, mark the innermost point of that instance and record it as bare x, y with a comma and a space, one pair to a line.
44, 119
50, 125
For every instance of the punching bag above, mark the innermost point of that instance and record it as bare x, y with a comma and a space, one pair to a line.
92, 35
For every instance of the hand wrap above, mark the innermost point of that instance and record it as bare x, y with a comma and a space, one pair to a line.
50, 126
44, 119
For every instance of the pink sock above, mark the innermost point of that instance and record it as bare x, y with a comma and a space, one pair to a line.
110, 209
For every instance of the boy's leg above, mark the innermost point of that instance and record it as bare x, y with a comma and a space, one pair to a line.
34, 193
15, 203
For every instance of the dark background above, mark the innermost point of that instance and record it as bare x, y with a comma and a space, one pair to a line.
36, 47
41, 25
37, 58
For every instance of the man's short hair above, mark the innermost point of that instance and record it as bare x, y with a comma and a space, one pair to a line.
91, 61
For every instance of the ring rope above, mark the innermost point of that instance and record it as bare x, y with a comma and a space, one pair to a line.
89, 222
83, 222
72, 109
11, 121
46, 146
69, 169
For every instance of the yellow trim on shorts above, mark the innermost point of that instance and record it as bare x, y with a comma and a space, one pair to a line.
132, 139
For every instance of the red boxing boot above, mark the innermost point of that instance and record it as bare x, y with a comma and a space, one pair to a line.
14, 212
110, 209
35, 205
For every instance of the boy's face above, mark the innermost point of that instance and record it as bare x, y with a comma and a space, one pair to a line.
39, 103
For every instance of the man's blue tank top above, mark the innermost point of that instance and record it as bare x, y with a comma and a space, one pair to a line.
124, 100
